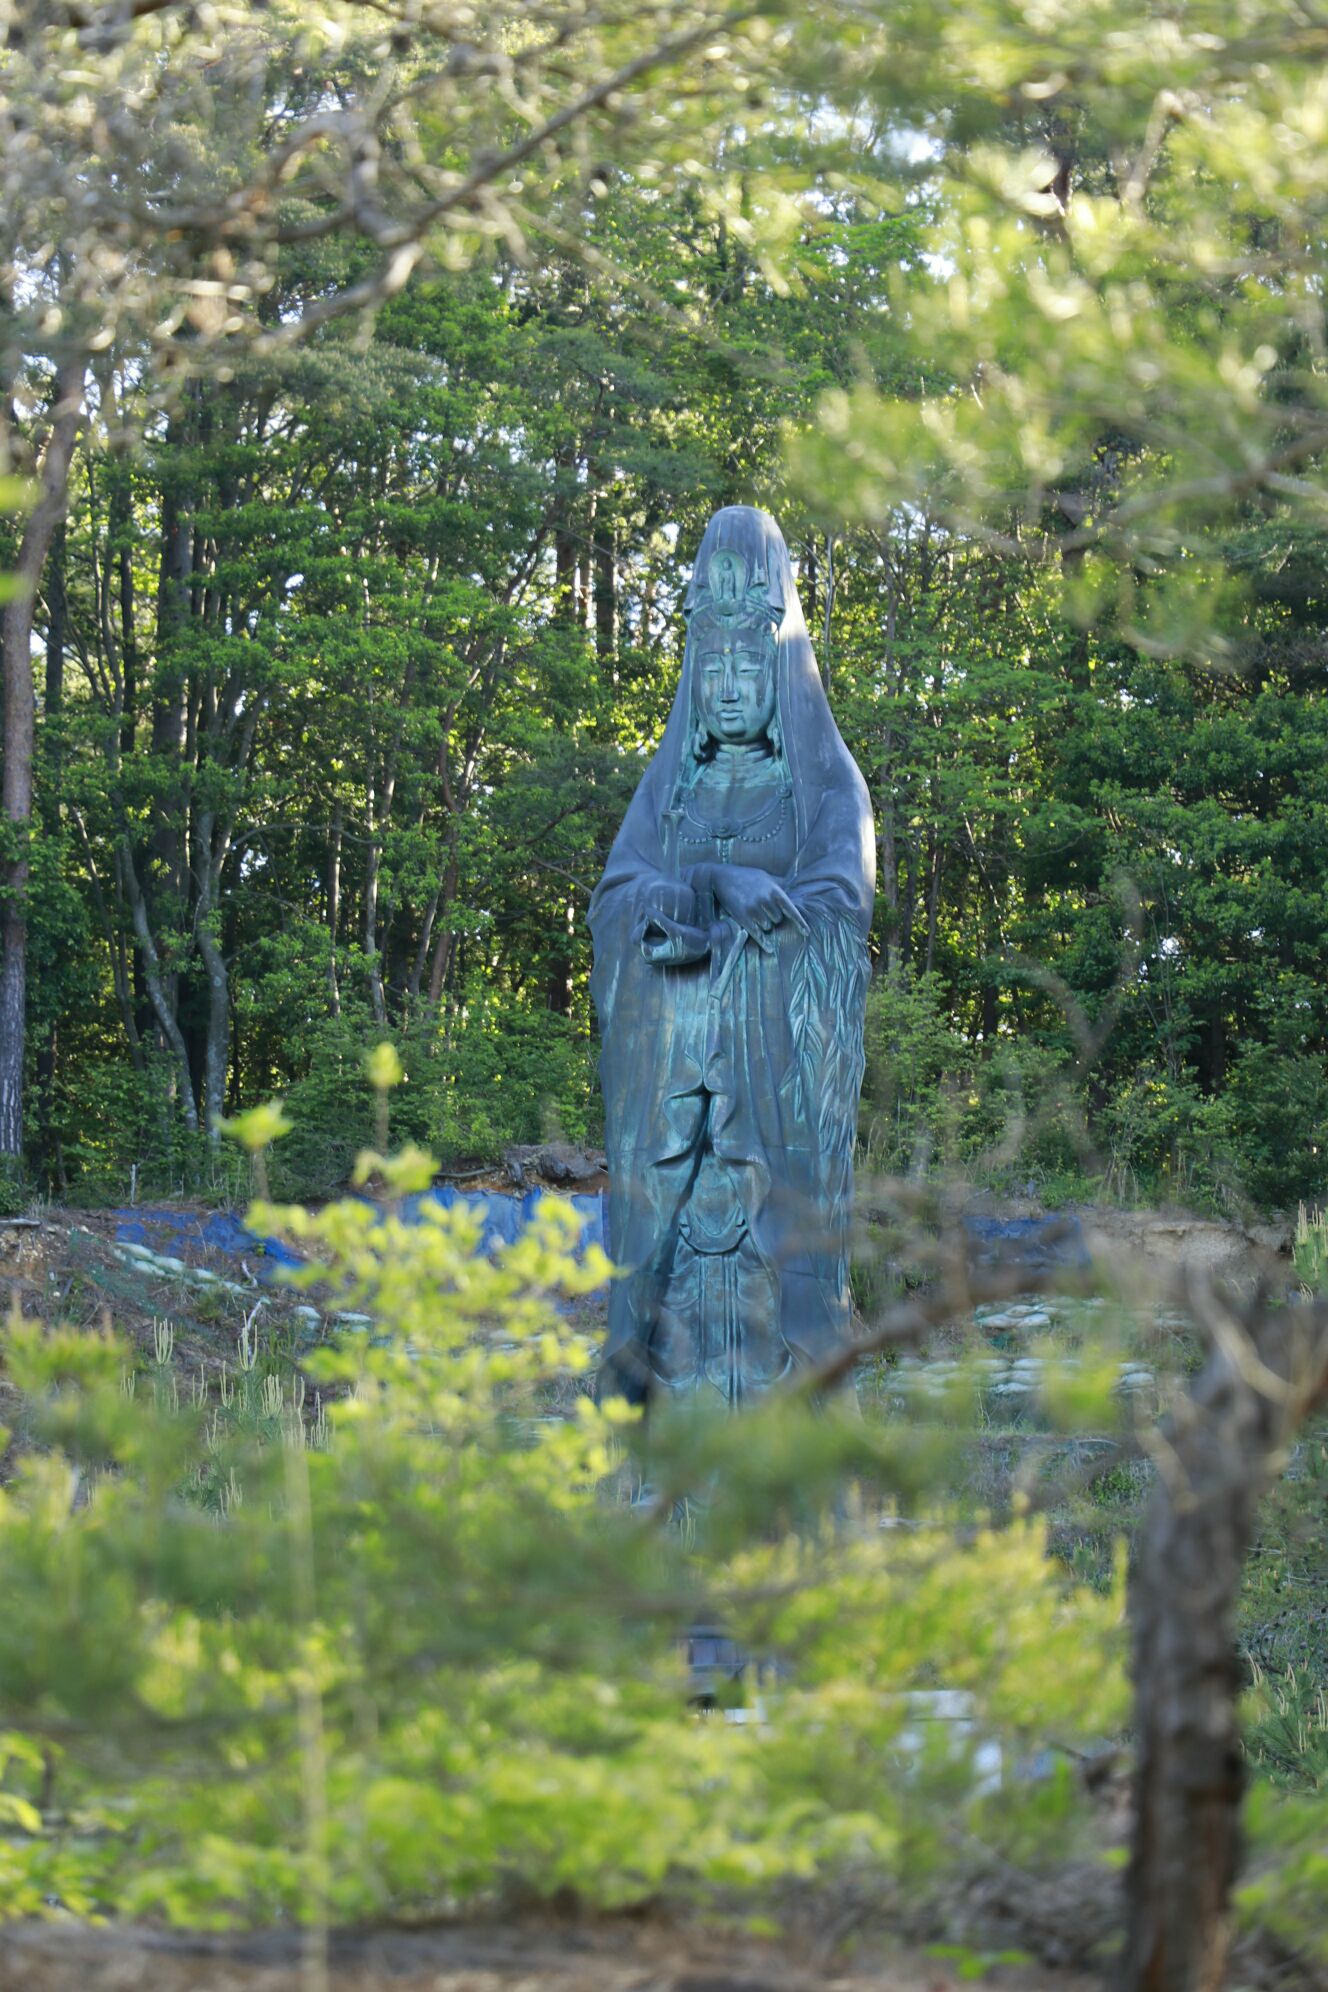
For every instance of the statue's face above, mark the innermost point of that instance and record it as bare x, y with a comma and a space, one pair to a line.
735, 683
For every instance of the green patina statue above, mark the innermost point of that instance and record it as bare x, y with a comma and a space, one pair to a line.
730, 977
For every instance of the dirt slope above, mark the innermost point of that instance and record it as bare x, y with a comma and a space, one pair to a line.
524, 1958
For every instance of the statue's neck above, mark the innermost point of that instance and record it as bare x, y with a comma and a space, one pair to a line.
742, 754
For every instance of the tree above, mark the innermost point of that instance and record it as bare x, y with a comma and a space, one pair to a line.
43, 522
162, 161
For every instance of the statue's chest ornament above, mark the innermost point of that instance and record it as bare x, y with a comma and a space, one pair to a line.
761, 828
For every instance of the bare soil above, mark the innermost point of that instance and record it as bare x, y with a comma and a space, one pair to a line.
613, 1956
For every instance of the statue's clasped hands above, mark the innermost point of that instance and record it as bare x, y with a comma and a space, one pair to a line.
755, 901
744, 894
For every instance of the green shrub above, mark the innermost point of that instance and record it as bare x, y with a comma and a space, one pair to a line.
514, 1074
1163, 1140
119, 1127
1276, 1106
15, 1189
476, 1080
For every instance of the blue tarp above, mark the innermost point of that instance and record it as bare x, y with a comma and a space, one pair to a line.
1035, 1242
505, 1217
166, 1230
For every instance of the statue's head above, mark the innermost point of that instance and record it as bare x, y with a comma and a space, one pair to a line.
733, 677
732, 642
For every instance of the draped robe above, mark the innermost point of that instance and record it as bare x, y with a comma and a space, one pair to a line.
712, 1042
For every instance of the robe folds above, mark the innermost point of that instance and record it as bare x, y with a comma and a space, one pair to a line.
713, 1043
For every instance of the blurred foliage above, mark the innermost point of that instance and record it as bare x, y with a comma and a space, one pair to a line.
391, 1634
1283, 1634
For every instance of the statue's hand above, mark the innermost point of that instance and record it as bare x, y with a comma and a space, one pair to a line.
665, 941
672, 897
755, 900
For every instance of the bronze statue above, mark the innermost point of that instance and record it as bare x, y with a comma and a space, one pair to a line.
730, 977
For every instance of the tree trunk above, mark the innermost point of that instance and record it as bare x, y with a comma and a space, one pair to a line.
1264, 1375
163, 1009
606, 594
57, 631
373, 859
20, 728
829, 592
889, 847
207, 870
57, 615
934, 853
121, 980
163, 882
564, 576
442, 954
334, 909
564, 538
559, 985
380, 816
120, 529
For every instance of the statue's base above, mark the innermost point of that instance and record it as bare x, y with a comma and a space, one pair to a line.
715, 1663
720, 1669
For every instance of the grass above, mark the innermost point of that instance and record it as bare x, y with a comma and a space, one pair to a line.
1283, 1624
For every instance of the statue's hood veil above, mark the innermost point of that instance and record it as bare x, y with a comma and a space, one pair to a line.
755, 561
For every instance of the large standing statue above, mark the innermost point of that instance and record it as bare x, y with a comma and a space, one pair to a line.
730, 975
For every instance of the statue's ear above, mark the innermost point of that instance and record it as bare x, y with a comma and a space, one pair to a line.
700, 741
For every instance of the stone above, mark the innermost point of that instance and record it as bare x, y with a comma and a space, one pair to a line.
730, 934
557, 1162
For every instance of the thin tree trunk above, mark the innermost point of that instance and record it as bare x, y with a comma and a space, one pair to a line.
933, 885
57, 631
172, 719
372, 860
601, 573
20, 729
829, 606
334, 908
559, 985
564, 539
207, 870
442, 954
564, 576
606, 594
162, 1008
128, 632
889, 848
378, 827
422, 946
57, 611
120, 977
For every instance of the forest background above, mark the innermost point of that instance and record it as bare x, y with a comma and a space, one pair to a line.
350, 648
